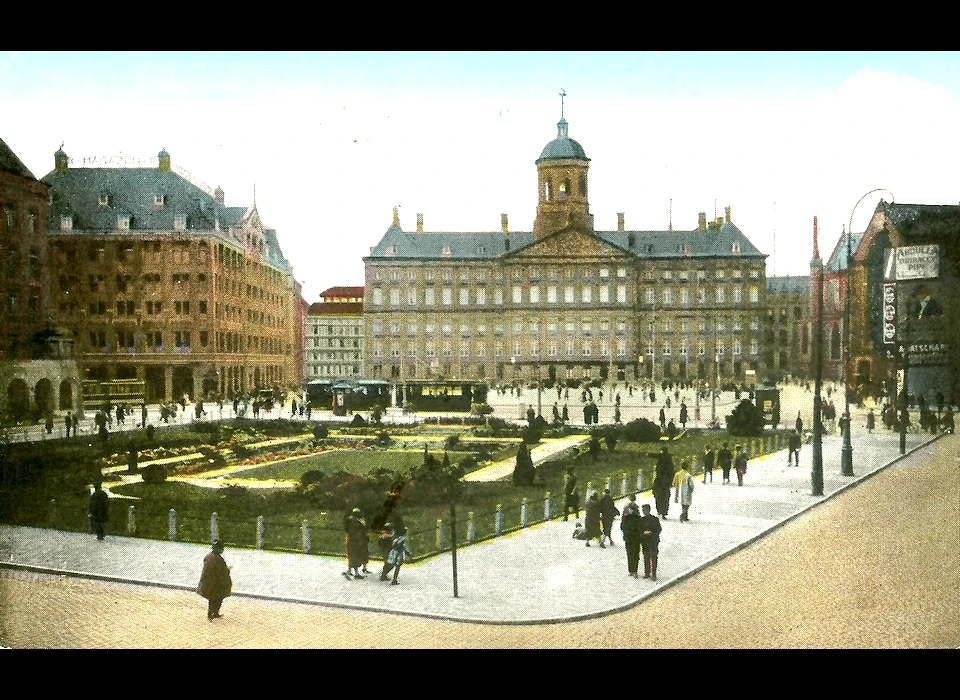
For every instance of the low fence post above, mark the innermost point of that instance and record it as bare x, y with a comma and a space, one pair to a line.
259, 532
498, 521
131, 520
546, 507
624, 485
587, 492
172, 525
53, 515
639, 481
305, 536
523, 512
214, 528
471, 529
441, 536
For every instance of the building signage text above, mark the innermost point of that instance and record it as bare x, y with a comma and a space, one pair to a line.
916, 262
889, 313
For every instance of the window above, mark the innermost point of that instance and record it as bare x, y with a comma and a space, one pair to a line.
552, 294
447, 296
737, 295
586, 295
429, 296
651, 297
481, 296
158, 200
621, 294
464, 297
667, 296
720, 295
517, 294
568, 295
604, 295
534, 295
754, 295
498, 296
394, 297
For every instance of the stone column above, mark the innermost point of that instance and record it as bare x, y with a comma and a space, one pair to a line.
168, 383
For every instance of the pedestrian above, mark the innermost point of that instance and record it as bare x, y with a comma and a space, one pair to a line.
684, 415
662, 482
793, 449
671, 429
725, 459
215, 583
663, 419
798, 426
631, 529
399, 553
683, 491
740, 464
592, 517
356, 544
650, 541
67, 422
98, 511
871, 421
48, 423
571, 494
608, 512
385, 541
709, 456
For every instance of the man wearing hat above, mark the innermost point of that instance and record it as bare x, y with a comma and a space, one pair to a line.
608, 511
215, 583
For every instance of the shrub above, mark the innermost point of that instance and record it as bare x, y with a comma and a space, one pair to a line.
383, 438
154, 474
532, 434
314, 476
611, 439
641, 430
480, 409
746, 420
594, 445
358, 420
452, 441
320, 432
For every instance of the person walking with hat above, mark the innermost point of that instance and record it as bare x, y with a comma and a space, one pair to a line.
683, 491
356, 543
592, 518
215, 583
99, 511
725, 460
662, 482
741, 464
632, 530
650, 541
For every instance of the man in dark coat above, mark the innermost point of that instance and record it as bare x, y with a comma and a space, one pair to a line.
684, 415
608, 511
663, 482
215, 583
592, 518
68, 422
708, 458
356, 544
793, 453
725, 460
631, 528
650, 542
99, 511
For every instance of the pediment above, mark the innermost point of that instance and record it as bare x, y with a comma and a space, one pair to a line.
570, 243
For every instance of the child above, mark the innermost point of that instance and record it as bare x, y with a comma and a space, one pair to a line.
579, 531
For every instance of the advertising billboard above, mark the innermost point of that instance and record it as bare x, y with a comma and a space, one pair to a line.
917, 262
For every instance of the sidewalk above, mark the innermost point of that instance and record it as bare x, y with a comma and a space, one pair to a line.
537, 575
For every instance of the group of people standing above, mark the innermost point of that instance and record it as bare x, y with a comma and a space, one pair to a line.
391, 544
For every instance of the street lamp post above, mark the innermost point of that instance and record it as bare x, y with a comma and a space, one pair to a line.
713, 392
816, 274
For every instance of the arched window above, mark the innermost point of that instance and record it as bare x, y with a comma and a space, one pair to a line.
547, 187
583, 186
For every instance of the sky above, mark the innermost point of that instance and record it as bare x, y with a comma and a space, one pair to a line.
331, 142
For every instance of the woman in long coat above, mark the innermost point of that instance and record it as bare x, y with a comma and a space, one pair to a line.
215, 583
591, 517
356, 540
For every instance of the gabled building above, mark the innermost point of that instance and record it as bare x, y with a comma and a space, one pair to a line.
334, 335
158, 280
565, 301
905, 284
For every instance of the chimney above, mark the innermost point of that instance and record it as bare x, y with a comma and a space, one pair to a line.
816, 247
718, 223
620, 221
164, 160
419, 223
396, 216
702, 222
504, 227
726, 211
218, 195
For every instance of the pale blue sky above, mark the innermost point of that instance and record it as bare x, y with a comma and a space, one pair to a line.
334, 140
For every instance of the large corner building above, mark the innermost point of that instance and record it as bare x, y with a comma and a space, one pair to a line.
158, 280
564, 300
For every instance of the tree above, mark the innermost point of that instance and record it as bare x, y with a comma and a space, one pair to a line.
594, 445
746, 420
524, 471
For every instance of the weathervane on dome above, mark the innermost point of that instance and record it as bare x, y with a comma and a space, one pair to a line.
563, 94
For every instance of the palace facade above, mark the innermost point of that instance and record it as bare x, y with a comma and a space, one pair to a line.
156, 279
565, 301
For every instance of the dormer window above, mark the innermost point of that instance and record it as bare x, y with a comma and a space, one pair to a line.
103, 200
445, 252
736, 249
390, 251
123, 222
158, 200
66, 222
180, 222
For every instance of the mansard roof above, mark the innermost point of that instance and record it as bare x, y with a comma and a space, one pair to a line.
78, 191
924, 223
457, 245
